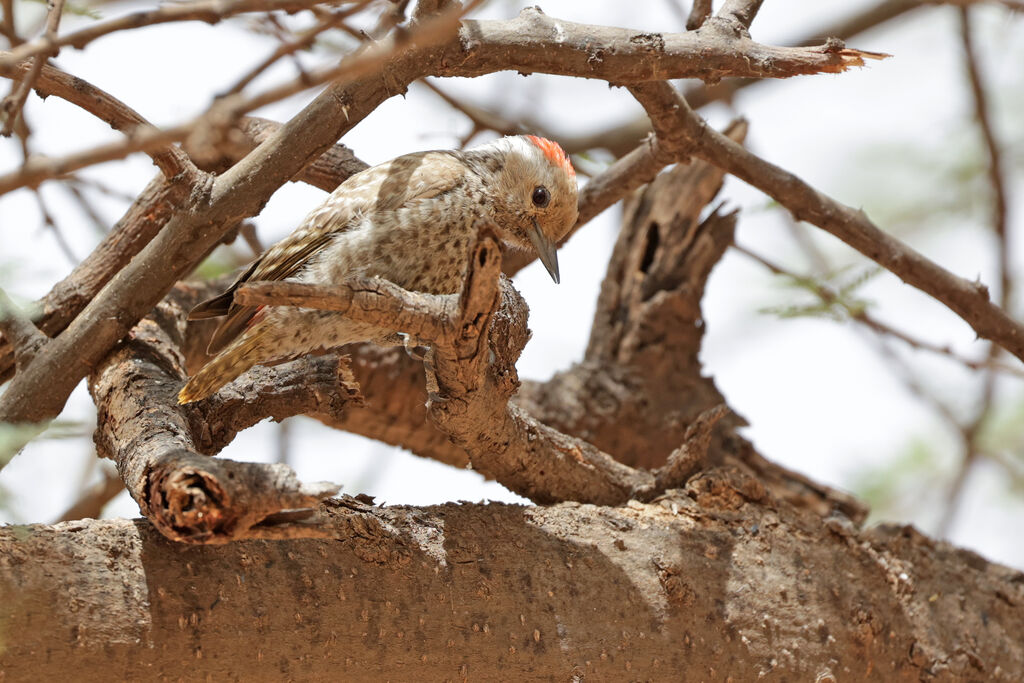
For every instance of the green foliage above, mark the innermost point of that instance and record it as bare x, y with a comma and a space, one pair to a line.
834, 294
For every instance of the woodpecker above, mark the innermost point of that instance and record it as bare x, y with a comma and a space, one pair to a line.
410, 221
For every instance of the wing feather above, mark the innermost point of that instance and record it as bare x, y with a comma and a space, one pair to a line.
387, 187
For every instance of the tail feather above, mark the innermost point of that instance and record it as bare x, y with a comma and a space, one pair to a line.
241, 355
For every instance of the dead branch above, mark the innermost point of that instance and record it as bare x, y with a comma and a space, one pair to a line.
502, 441
969, 300
156, 443
534, 42
689, 458
627, 376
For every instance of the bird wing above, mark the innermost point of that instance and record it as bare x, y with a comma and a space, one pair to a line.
386, 187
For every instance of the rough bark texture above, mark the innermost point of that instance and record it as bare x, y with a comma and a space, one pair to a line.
713, 564
720, 582
156, 443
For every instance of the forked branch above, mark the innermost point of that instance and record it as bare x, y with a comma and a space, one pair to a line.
476, 339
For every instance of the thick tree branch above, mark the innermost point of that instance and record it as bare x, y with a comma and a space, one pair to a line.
716, 581
471, 369
475, 377
156, 443
638, 382
969, 300
534, 42
148, 214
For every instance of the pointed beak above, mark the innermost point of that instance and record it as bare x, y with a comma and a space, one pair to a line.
546, 249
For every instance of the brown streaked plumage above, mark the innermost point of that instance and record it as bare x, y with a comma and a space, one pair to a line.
410, 221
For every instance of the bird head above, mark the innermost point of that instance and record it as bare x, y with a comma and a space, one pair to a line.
535, 202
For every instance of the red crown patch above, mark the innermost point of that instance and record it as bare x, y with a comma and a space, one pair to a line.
554, 153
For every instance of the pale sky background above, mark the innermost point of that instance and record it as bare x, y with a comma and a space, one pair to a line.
819, 399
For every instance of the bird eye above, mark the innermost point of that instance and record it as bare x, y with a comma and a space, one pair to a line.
541, 196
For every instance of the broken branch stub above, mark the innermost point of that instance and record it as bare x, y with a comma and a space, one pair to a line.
192, 497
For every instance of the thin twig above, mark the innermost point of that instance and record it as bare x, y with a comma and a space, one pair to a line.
142, 139
481, 119
7, 28
300, 42
50, 222
98, 222
831, 297
209, 11
671, 115
972, 430
699, 13
118, 115
993, 150
91, 503
11, 106
742, 12
231, 108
